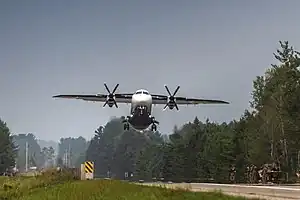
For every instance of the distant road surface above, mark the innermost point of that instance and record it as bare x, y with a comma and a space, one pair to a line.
274, 192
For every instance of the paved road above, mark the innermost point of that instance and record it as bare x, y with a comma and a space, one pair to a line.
264, 192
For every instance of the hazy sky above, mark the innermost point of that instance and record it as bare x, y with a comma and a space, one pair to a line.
212, 49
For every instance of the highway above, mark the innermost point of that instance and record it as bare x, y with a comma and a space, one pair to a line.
274, 192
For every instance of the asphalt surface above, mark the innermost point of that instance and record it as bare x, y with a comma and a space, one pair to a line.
274, 192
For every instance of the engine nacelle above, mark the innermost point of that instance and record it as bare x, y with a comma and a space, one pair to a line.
171, 106
110, 99
171, 102
110, 102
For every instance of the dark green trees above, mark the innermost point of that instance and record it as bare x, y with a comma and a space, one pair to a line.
7, 148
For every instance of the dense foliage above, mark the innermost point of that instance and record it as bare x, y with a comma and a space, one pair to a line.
71, 151
7, 148
115, 151
267, 132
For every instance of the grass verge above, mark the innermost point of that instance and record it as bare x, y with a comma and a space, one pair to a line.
20, 186
104, 190
53, 185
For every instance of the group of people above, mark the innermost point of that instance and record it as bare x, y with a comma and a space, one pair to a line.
253, 174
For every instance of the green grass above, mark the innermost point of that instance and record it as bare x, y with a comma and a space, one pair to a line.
3, 179
62, 187
20, 186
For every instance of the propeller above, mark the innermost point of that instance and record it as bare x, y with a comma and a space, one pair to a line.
171, 103
110, 98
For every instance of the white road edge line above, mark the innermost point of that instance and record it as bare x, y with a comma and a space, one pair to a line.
248, 186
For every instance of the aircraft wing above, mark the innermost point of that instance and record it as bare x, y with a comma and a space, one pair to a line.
120, 98
163, 99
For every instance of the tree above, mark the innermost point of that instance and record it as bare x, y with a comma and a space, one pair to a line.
35, 156
103, 146
275, 101
48, 154
7, 148
117, 151
73, 149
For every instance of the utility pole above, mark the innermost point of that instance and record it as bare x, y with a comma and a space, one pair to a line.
69, 155
298, 160
26, 156
65, 158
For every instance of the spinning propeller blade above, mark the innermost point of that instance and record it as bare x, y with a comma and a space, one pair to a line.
172, 100
110, 96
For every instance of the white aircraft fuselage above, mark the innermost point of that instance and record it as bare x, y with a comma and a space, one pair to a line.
141, 107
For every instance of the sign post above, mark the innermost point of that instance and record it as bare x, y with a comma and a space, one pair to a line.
89, 170
82, 172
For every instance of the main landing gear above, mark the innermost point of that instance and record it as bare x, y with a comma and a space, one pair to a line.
154, 122
153, 127
126, 124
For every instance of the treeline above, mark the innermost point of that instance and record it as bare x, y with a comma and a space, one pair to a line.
268, 132
36, 157
71, 152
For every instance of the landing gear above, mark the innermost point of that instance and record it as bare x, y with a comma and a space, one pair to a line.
126, 126
154, 122
153, 127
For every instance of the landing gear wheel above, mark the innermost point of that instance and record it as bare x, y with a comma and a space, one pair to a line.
153, 127
126, 126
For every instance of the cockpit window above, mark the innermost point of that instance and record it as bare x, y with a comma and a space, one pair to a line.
142, 92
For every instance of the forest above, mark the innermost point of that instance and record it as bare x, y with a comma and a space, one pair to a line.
268, 131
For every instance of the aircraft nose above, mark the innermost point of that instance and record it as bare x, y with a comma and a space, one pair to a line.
143, 98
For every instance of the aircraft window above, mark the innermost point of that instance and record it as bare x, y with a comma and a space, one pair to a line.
139, 92
145, 92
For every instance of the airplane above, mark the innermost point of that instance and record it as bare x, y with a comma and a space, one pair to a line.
141, 104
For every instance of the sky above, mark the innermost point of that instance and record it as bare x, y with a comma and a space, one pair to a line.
212, 49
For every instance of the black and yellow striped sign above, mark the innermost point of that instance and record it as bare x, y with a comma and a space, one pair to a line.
89, 167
